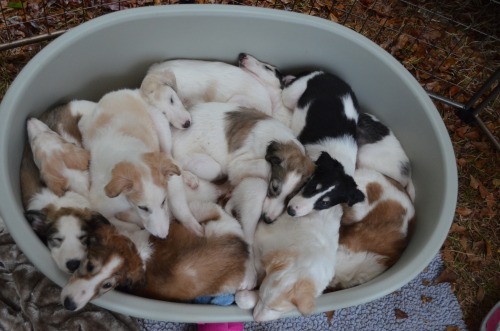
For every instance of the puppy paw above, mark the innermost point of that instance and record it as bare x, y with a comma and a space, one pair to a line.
250, 280
190, 179
196, 228
246, 299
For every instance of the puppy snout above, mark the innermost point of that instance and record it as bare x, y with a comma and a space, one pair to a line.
266, 219
291, 211
72, 265
186, 124
69, 304
241, 58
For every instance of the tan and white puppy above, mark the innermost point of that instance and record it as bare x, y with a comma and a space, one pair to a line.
375, 232
179, 268
198, 81
129, 174
295, 260
63, 166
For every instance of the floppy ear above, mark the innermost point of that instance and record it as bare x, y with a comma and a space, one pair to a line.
288, 79
303, 296
38, 221
271, 152
168, 167
52, 175
168, 78
76, 158
355, 196
123, 177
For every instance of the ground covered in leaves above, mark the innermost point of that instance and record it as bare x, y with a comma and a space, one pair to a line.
450, 47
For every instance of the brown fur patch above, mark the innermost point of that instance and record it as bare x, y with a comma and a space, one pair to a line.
278, 261
60, 119
379, 232
210, 92
373, 192
239, 124
30, 180
161, 166
125, 178
303, 296
144, 136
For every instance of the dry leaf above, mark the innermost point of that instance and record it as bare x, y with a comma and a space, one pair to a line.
425, 298
488, 250
329, 316
459, 228
426, 282
480, 294
446, 276
474, 183
400, 314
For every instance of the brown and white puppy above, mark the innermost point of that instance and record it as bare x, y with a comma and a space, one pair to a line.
59, 215
375, 232
179, 268
129, 175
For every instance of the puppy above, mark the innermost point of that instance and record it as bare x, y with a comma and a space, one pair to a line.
197, 81
295, 259
61, 222
375, 232
129, 174
63, 120
325, 120
274, 82
179, 268
379, 149
63, 166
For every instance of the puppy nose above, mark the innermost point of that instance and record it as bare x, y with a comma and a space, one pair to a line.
266, 219
186, 124
72, 265
69, 304
291, 211
242, 56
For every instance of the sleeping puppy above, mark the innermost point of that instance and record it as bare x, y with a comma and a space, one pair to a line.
295, 259
375, 232
379, 149
325, 120
197, 81
129, 174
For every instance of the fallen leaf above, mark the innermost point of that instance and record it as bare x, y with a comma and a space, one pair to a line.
329, 316
459, 228
446, 276
488, 250
483, 191
480, 294
400, 314
474, 183
425, 298
426, 282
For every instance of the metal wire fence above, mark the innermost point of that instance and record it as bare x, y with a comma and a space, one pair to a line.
451, 47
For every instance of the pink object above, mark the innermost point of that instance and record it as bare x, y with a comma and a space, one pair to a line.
236, 326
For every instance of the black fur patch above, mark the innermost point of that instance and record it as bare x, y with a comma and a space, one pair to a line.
369, 130
326, 116
405, 169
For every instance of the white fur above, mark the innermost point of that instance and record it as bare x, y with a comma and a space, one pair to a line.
199, 81
310, 242
109, 145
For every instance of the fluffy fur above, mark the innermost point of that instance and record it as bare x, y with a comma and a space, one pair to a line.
197, 81
179, 268
324, 119
375, 232
295, 259
129, 174
379, 149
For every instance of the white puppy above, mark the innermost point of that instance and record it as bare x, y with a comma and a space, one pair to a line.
197, 81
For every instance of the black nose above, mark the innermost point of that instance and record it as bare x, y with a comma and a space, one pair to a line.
186, 124
69, 304
291, 211
241, 56
266, 219
72, 265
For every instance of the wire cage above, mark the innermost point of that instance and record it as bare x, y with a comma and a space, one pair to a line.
451, 47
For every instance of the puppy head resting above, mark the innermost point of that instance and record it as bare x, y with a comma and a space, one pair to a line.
328, 186
290, 169
112, 260
145, 187
266, 74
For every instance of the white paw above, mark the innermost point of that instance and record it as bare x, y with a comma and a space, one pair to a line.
196, 228
190, 179
246, 299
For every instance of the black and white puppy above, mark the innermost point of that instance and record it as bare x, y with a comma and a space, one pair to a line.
325, 120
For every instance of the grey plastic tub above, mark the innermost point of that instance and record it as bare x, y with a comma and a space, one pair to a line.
115, 50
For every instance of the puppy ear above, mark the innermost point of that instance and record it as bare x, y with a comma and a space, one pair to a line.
53, 178
76, 158
271, 151
355, 196
123, 177
168, 78
288, 79
38, 221
168, 167
303, 296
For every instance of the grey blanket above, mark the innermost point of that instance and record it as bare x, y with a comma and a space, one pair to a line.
30, 301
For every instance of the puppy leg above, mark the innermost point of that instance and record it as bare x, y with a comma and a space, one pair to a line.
240, 169
245, 101
162, 127
292, 93
178, 204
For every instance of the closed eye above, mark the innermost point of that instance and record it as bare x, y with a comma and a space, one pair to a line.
172, 100
268, 68
163, 202
144, 208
